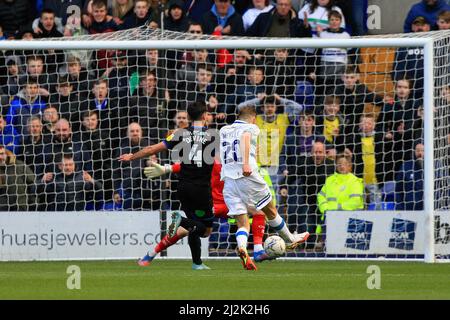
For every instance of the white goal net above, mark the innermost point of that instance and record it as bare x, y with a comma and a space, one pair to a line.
343, 139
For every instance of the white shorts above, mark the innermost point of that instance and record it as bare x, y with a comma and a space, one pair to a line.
246, 194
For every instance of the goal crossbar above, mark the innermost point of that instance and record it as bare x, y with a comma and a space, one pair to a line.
213, 44
427, 43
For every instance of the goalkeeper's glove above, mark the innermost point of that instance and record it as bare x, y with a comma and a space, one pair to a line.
156, 170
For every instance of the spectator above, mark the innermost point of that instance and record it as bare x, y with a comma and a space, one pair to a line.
129, 178
123, 9
330, 124
443, 22
195, 9
181, 121
17, 191
149, 107
306, 178
273, 23
101, 23
63, 9
154, 62
316, 14
13, 83
372, 156
176, 19
250, 90
341, 191
299, 143
409, 182
333, 60
50, 117
234, 73
48, 25
259, 6
46, 28
354, 95
417, 130
223, 19
396, 121
34, 144
313, 15
119, 75
9, 138
25, 34
188, 71
108, 108
203, 89
79, 77
69, 189
26, 103
280, 74
67, 102
140, 15
408, 62
16, 15
37, 69
98, 145
428, 9
195, 28
88, 12
63, 142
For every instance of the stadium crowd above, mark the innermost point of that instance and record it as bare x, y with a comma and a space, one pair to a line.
67, 116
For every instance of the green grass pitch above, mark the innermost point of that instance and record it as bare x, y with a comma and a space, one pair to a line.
174, 279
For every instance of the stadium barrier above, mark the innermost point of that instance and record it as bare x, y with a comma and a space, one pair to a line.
50, 236
44, 236
396, 233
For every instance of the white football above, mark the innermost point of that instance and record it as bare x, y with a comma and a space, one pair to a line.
275, 246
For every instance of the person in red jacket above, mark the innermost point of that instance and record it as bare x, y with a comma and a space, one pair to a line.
220, 209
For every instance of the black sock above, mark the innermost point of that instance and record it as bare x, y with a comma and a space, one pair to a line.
196, 248
194, 227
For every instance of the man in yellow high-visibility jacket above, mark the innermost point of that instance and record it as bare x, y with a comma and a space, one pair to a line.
342, 191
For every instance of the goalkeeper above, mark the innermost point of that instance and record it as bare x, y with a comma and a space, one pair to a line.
220, 209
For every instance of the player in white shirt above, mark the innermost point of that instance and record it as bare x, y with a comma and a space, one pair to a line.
245, 191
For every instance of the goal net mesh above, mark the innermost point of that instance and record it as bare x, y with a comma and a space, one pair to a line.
68, 115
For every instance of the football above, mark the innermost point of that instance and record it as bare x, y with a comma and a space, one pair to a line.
275, 246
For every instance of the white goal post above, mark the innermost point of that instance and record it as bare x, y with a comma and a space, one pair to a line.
425, 41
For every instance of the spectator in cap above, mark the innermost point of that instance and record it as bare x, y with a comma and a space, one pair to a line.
420, 24
429, 9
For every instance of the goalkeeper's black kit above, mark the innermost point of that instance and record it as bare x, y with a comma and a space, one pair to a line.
193, 147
